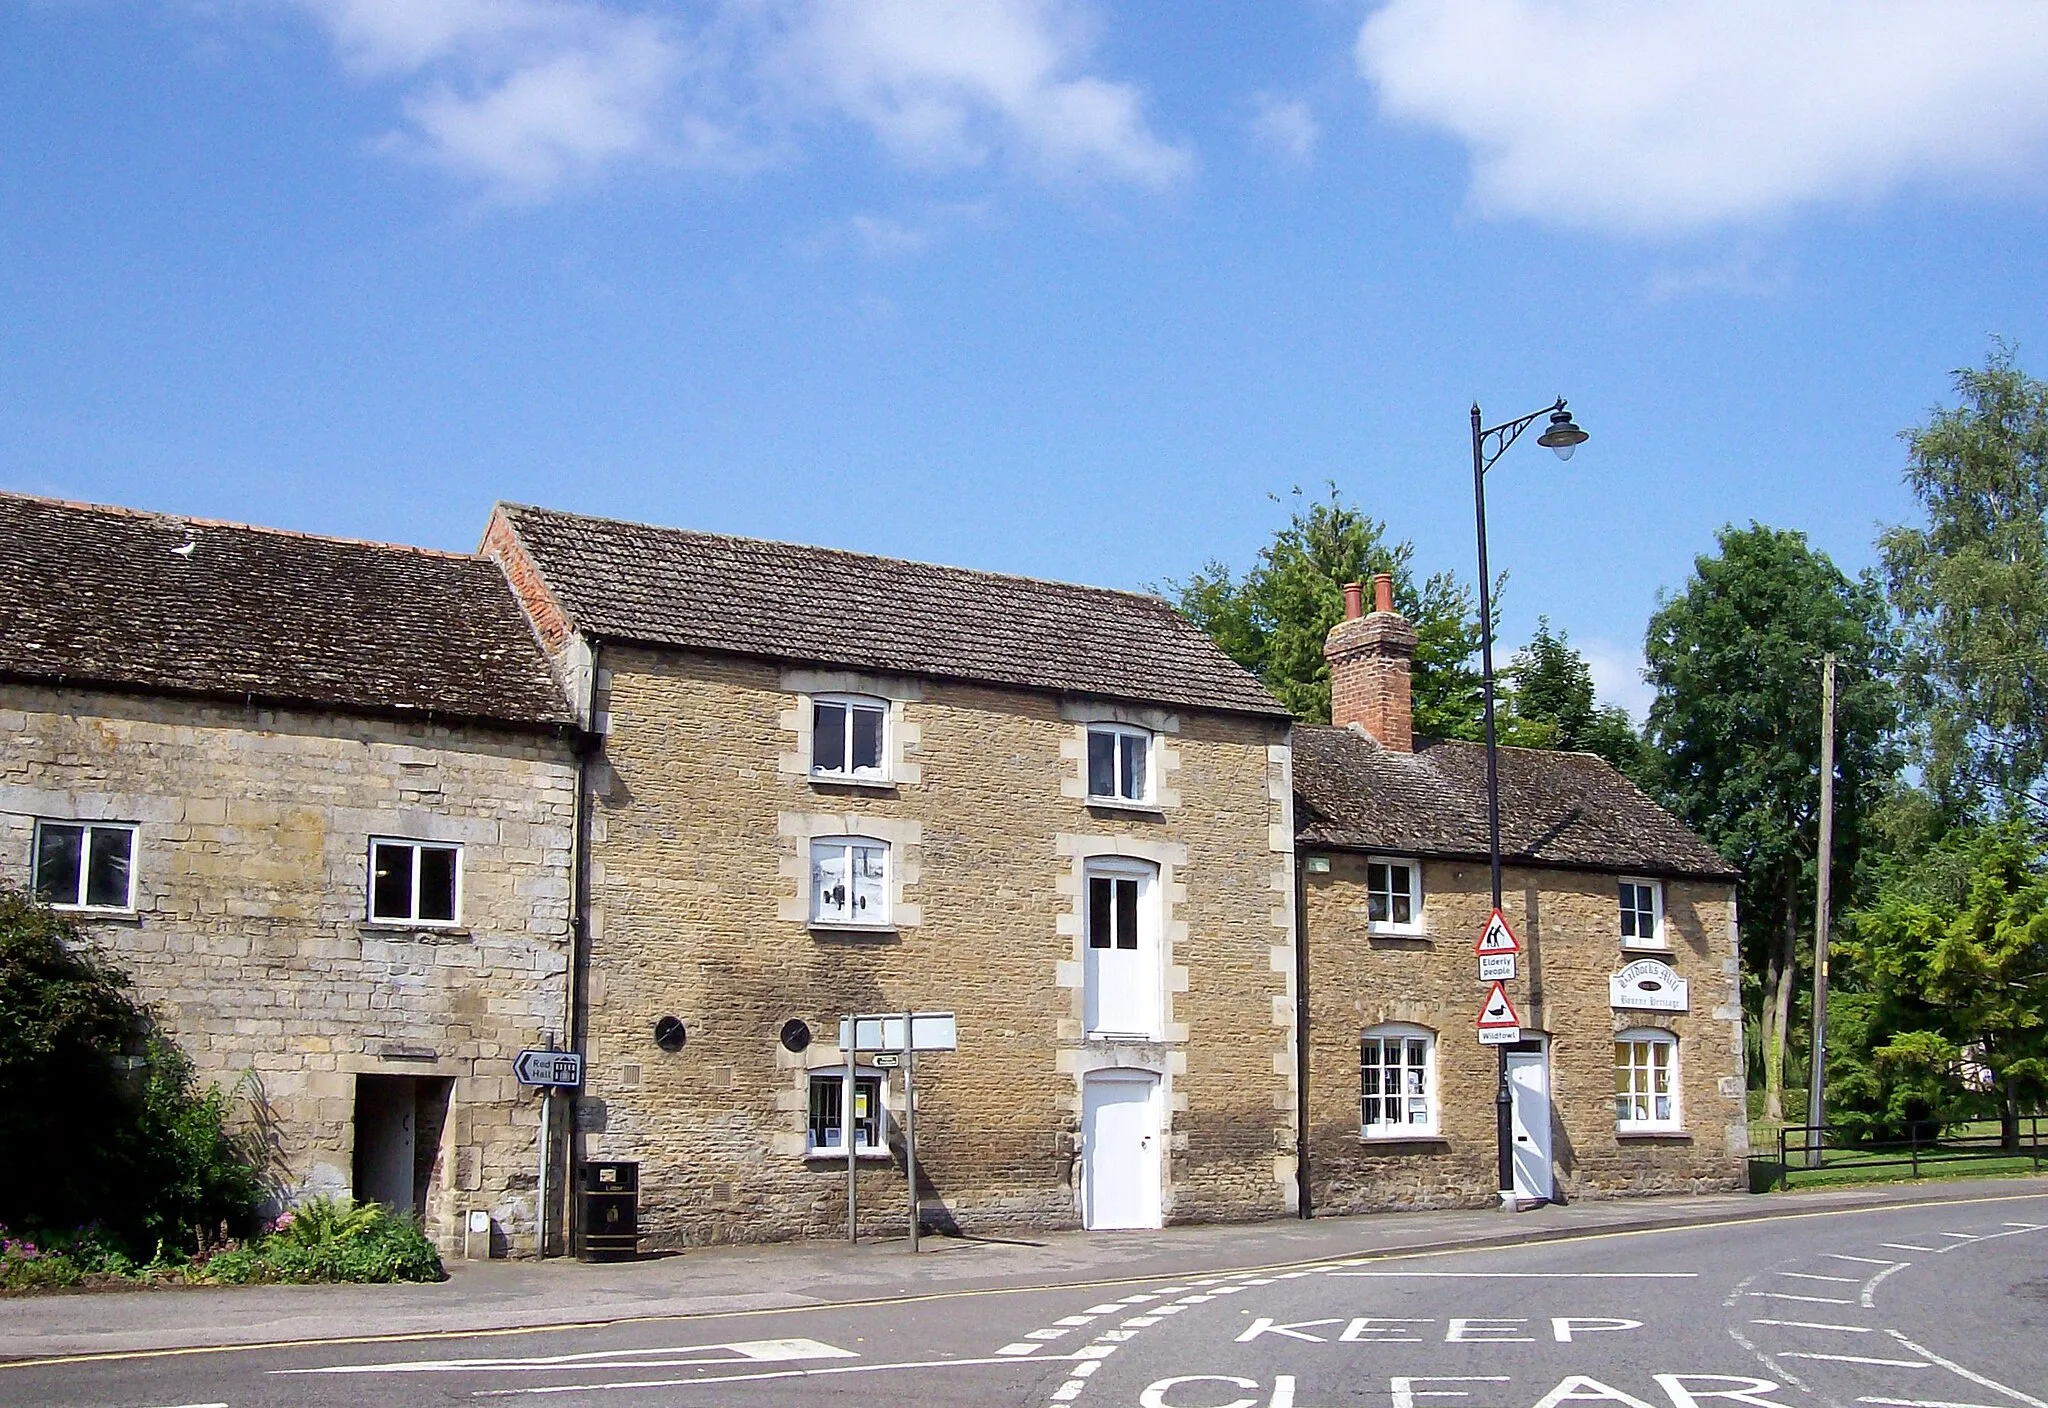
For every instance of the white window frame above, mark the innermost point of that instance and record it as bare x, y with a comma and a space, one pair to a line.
819, 918
1120, 732
1404, 1033
415, 845
836, 1075
1659, 939
1390, 925
85, 842
1625, 1121
880, 774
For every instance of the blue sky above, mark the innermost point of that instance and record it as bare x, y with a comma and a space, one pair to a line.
1061, 287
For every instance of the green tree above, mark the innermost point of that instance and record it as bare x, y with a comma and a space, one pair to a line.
121, 1135
1274, 618
1550, 704
1735, 729
1971, 591
1953, 953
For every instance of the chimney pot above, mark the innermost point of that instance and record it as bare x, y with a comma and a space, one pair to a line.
1383, 592
1354, 600
1370, 661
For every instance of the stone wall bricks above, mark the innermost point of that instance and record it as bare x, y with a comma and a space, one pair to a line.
251, 936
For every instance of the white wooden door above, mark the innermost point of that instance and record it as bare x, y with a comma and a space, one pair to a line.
1120, 1150
1529, 1082
1121, 947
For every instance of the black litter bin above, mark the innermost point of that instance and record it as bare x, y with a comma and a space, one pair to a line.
608, 1212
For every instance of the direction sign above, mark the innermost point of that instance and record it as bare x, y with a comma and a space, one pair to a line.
1498, 1023
929, 1031
1498, 938
1493, 966
548, 1068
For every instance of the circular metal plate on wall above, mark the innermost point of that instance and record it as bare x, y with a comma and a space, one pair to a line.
796, 1034
669, 1034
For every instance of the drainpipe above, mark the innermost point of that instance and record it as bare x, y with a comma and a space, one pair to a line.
1303, 1208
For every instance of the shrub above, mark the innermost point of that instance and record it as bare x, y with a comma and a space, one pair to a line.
331, 1239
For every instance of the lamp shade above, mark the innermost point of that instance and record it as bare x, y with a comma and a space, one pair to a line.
1563, 436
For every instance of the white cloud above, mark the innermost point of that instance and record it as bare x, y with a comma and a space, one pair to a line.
528, 94
1618, 676
1287, 125
952, 83
1617, 114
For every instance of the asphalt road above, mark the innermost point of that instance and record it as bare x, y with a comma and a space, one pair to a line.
1919, 1306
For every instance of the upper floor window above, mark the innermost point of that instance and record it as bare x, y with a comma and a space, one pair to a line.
848, 736
1119, 764
1642, 914
1397, 1082
1393, 895
415, 882
1645, 1081
849, 880
85, 864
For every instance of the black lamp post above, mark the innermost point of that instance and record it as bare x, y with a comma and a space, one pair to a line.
1488, 445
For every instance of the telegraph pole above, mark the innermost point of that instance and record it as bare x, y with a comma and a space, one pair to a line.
1816, 1075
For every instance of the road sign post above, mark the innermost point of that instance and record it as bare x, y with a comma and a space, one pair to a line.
895, 1038
1497, 949
1498, 1024
553, 1069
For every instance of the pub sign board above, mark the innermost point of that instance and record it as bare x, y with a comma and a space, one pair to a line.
1648, 985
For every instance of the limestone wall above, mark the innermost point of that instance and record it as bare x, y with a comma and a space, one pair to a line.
1567, 922
250, 932
703, 815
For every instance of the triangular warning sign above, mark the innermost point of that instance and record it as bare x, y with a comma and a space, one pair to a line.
1498, 938
1497, 1012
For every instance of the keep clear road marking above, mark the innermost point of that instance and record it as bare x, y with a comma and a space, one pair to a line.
740, 1352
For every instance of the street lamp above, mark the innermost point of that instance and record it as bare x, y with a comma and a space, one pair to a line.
1562, 437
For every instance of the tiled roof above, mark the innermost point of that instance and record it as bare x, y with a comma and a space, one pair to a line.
148, 601
706, 591
1562, 809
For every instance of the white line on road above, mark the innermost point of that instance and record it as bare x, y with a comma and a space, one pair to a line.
2018, 1229
1809, 1300
1769, 1363
748, 1378
1815, 1325
1971, 1375
1921, 1403
1810, 1276
1856, 1359
1869, 1296
1866, 1260
1526, 1275
1904, 1247
743, 1351
1020, 1347
1961, 1236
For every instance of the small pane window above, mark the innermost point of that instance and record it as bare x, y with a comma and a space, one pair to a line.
846, 738
1646, 1080
1119, 764
1113, 911
828, 1107
1392, 898
849, 881
85, 865
1396, 1082
1642, 913
412, 882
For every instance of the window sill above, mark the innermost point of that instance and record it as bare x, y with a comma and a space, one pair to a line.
94, 914
838, 1156
1128, 1038
1644, 946
840, 782
824, 929
1126, 806
1674, 1135
1416, 1143
1394, 931
414, 926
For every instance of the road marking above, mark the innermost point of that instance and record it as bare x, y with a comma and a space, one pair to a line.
2018, 1228
1869, 1296
742, 1351
1046, 1335
1769, 1363
2026, 1226
1972, 1376
1523, 1275
1866, 1260
1815, 1325
1904, 1247
1856, 1359
1787, 1295
1810, 1276
531, 1390
1921, 1403
1961, 1236
1108, 1307
1020, 1348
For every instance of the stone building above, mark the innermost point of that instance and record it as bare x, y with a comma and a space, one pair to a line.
1628, 1077
832, 784
318, 798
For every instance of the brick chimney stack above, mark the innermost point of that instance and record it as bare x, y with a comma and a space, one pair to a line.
1369, 666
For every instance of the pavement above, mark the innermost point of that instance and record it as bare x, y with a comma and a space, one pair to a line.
482, 1297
